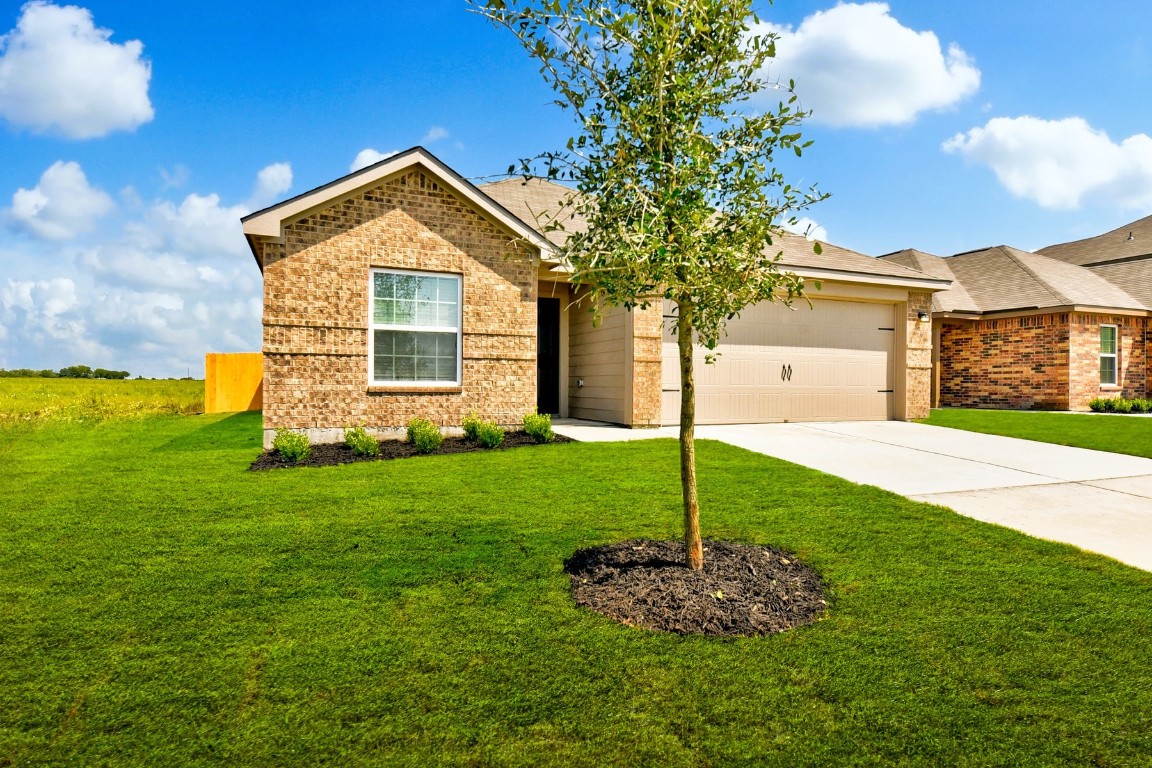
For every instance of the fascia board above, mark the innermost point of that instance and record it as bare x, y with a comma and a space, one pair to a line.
817, 273
270, 221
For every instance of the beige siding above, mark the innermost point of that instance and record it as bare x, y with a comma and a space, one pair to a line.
598, 358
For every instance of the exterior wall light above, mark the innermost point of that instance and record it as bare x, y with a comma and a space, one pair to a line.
923, 317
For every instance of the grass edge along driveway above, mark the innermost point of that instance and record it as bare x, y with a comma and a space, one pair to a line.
162, 606
1116, 433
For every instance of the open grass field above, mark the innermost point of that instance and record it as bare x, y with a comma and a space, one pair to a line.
33, 400
1119, 434
162, 606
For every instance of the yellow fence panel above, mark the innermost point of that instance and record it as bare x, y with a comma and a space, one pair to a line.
233, 382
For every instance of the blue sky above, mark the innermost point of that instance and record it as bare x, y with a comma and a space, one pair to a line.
134, 135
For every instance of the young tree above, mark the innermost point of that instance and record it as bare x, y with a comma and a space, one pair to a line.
673, 162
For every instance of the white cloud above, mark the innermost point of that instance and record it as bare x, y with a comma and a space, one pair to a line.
1058, 163
198, 223
60, 73
856, 65
435, 133
369, 156
61, 206
174, 281
271, 182
175, 178
807, 228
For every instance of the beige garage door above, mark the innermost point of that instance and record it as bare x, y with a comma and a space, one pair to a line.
831, 362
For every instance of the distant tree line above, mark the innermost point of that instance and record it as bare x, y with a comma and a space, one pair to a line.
71, 372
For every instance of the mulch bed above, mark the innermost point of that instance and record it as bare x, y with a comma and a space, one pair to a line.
744, 589
327, 455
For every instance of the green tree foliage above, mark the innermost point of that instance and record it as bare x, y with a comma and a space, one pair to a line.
28, 373
85, 372
673, 164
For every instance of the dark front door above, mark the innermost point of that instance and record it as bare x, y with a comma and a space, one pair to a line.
548, 356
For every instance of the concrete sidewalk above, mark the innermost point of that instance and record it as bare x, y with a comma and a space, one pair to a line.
1094, 500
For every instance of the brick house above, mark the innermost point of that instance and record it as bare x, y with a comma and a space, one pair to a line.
403, 290
1022, 330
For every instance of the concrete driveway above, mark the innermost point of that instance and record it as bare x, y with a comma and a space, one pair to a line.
1094, 500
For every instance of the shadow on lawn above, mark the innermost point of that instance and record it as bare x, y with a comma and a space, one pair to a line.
240, 431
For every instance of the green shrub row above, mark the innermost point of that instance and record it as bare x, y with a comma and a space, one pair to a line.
422, 433
1121, 405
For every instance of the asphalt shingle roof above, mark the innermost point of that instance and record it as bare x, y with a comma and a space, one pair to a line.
1002, 278
1126, 242
955, 299
534, 202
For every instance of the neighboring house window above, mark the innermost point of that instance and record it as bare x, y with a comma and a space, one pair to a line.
1108, 347
415, 328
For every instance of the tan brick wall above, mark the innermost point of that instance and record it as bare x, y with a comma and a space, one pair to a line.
316, 294
1132, 372
1016, 362
647, 348
918, 369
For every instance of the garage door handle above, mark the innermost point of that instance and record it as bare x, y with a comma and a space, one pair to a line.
783, 372
789, 373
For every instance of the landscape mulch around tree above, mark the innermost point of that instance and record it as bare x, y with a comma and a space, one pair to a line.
328, 455
744, 589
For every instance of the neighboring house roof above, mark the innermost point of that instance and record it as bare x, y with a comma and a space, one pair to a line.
1134, 276
955, 299
1131, 241
270, 221
1006, 279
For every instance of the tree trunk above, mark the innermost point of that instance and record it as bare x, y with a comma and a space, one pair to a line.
694, 550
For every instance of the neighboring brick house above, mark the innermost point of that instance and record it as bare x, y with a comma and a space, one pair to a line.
403, 290
1021, 330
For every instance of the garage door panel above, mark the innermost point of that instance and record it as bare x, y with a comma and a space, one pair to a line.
833, 361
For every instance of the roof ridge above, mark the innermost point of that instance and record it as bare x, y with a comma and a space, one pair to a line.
1009, 252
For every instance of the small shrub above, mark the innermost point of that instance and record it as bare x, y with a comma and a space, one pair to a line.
1140, 405
471, 426
1121, 405
489, 434
361, 443
539, 427
424, 435
1098, 404
292, 445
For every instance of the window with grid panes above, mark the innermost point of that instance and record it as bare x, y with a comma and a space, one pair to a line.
415, 328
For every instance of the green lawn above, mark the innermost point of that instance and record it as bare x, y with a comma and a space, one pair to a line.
161, 606
34, 400
1119, 434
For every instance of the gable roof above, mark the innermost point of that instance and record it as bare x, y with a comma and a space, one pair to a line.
535, 201
270, 221
1131, 241
525, 207
1006, 279
835, 262
955, 298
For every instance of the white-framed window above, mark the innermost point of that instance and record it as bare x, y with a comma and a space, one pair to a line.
414, 328
1109, 357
